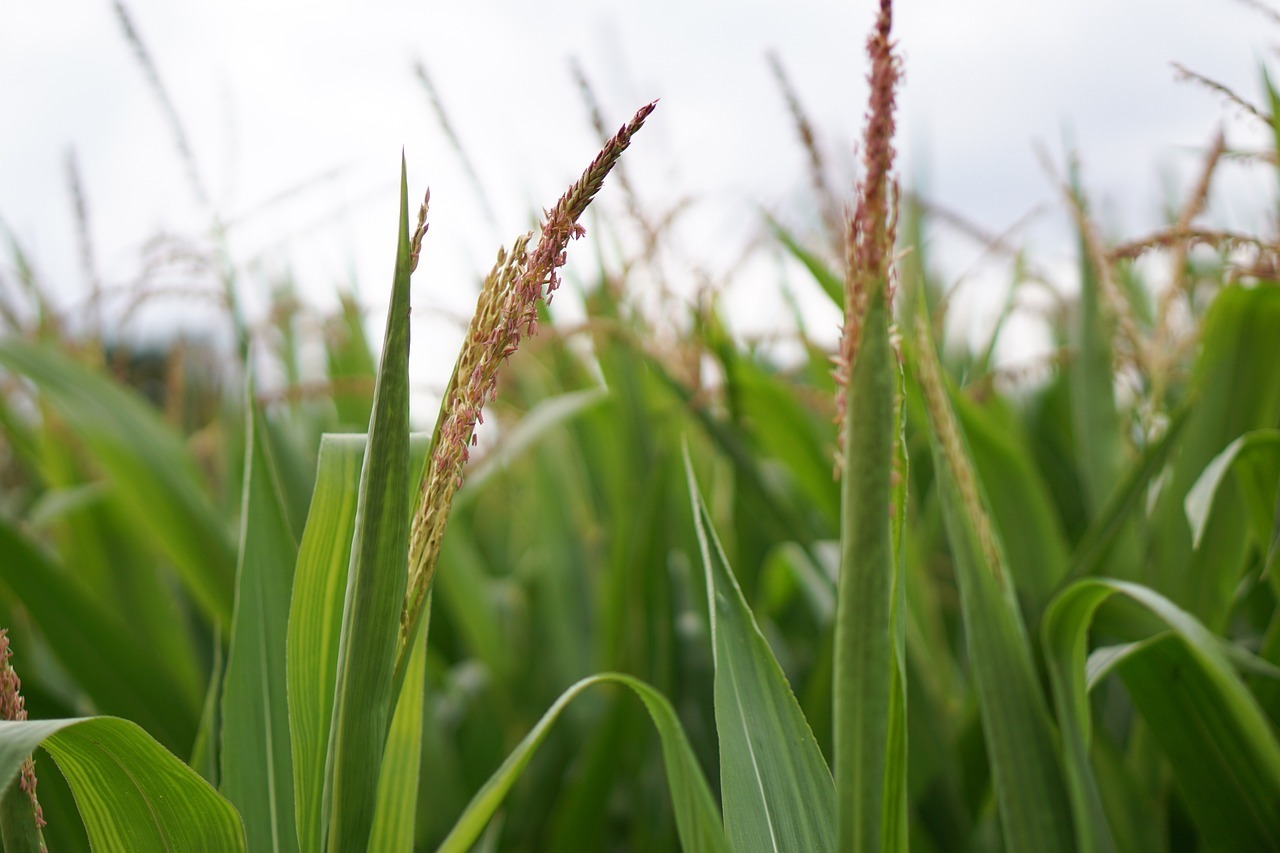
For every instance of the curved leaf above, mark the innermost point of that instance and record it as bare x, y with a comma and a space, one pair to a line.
697, 820
1217, 738
132, 793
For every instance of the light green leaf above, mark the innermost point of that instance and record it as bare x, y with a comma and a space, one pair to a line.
132, 793
394, 820
257, 765
376, 582
1200, 499
315, 616
774, 784
697, 820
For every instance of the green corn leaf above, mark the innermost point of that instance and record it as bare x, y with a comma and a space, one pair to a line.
865, 634
832, 285
376, 583
1218, 739
1237, 391
394, 819
152, 474
132, 793
697, 820
315, 618
775, 786
257, 765
1019, 735
1250, 448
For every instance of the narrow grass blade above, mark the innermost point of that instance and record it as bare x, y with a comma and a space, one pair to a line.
394, 820
257, 765
831, 283
152, 473
132, 793
119, 673
376, 583
775, 786
1019, 735
696, 816
864, 630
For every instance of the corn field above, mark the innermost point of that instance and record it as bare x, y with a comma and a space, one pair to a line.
884, 597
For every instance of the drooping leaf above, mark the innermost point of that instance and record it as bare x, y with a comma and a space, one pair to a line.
132, 793
696, 815
1223, 751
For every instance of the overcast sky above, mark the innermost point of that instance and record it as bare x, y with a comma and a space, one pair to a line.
274, 94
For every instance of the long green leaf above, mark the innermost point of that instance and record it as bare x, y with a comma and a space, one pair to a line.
696, 817
376, 583
394, 820
1019, 736
132, 793
775, 786
864, 630
152, 473
257, 765
315, 616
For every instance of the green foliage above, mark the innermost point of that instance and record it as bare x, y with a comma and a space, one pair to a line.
1031, 614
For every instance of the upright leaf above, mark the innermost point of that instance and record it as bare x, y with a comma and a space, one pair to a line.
864, 630
376, 583
775, 787
257, 765
1019, 736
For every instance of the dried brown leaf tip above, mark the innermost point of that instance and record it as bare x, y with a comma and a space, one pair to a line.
12, 707
871, 227
506, 313
415, 244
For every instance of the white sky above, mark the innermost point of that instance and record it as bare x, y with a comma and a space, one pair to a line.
273, 94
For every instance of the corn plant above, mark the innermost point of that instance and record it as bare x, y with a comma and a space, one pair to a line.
1023, 615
